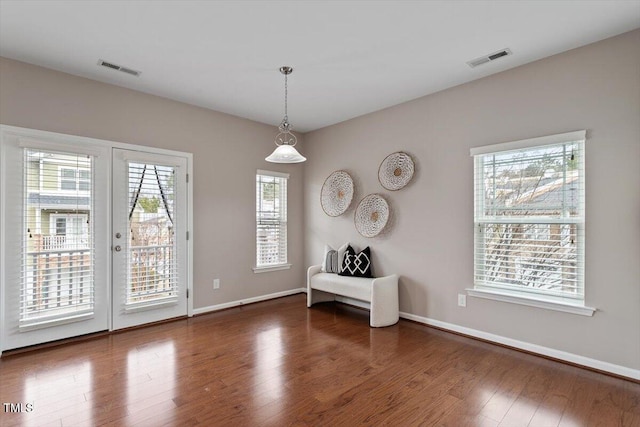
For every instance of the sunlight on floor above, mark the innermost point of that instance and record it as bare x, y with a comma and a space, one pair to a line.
59, 392
268, 379
151, 370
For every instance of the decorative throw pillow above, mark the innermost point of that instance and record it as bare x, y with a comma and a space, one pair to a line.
357, 265
341, 250
332, 262
332, 259
327, 249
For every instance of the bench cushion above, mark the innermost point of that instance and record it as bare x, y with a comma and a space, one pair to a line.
352, 287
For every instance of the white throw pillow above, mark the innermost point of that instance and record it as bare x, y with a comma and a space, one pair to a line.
327, 248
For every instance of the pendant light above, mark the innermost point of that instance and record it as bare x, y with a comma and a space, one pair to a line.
285, 151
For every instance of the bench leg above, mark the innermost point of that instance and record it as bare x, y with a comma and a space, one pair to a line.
385, 310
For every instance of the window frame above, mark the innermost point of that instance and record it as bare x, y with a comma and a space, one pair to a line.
537, 297
282, 264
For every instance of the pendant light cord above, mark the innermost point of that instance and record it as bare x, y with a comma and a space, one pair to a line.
285, 96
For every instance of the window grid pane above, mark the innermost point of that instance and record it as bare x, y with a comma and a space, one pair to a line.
531, 257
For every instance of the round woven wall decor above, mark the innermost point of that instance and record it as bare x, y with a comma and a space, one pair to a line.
371, 215
336, 193
395, 171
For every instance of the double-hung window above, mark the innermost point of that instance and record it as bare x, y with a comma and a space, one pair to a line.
529, 221
271, 221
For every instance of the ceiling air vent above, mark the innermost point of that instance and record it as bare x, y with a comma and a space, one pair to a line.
488, 58
119, 68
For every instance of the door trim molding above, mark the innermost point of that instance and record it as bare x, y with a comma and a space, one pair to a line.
56, 137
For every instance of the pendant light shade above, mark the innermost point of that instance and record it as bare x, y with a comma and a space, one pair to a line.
285, 140
285, 154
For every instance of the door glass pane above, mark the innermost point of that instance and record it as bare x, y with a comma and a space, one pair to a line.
152, 273
57, 257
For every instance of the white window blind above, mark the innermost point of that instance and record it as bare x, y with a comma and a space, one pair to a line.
151, 254
271, 219
57, 280
529, 218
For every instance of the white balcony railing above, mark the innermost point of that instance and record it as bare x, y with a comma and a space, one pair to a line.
56, 282
152, 273
58, 242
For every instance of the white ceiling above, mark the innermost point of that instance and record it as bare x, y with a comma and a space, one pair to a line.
349, 57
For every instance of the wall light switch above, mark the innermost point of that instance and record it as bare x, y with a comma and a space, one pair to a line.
216, 283
462, 300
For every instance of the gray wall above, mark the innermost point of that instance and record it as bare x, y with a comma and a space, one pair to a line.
227, 151
430, 243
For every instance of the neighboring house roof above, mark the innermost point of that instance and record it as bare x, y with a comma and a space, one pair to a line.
48, 201
553, 193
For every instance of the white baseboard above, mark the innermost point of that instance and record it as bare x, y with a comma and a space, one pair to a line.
217, 307
533, 348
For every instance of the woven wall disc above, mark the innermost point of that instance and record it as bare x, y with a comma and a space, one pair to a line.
336, 193
395, 171
371, 215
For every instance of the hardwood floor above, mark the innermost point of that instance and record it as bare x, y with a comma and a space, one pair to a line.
278, 363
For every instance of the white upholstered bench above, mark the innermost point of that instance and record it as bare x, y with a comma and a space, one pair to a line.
381, 292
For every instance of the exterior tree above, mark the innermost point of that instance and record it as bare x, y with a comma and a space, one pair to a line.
149, 204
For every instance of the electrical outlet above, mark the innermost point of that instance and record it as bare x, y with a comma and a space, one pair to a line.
216, 283
462, 300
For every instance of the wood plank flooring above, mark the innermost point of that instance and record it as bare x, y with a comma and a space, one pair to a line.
277, 363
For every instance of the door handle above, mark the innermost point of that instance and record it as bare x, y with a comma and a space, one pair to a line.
117, 248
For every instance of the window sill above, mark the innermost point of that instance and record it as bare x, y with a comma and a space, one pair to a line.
267, 269
541, 302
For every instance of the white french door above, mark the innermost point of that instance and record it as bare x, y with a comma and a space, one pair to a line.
149, 237
55, 258
93, 236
